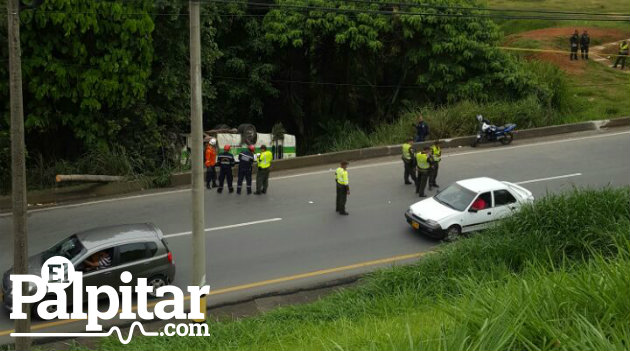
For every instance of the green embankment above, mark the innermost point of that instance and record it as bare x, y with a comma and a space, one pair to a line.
553, 277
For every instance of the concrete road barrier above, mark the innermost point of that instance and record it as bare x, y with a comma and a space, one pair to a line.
89, 191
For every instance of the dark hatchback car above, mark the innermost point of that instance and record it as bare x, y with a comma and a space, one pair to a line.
102, 254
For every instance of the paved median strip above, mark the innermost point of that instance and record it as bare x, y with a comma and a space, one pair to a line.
238, 225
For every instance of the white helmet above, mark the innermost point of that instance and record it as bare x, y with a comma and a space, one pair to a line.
213, 141
479, 118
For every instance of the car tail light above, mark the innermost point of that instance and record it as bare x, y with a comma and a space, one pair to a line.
170, 258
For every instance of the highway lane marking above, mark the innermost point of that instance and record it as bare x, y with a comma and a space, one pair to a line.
212, 229
549, 178
169, 192
258, 284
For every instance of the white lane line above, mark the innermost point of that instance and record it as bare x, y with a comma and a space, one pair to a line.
226, 227
549, 178
168, 192
535, 144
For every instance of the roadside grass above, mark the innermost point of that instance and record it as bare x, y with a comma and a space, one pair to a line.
593, 6
554, 277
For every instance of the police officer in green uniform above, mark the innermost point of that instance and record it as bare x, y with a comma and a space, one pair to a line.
436, 157
262, 175
343, 187
408, 160
623, 53
422, 162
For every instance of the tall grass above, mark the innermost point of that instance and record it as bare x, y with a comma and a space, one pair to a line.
553, 277
447, 121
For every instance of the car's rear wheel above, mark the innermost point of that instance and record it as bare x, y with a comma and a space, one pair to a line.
453, 232
156, 282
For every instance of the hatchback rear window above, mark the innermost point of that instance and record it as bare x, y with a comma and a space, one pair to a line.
132, 252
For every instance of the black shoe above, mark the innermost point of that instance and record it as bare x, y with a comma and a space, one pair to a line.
422, 195
238, 191
435, 186
430, 188
249, 192
231, 190
408, 183
344, 213
264, 191
208, 186
219, 190
257, 193
214, 185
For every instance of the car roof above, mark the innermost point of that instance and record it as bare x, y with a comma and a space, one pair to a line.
481, 184
117, 234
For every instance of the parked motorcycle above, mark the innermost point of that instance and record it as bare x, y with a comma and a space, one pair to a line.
502, 134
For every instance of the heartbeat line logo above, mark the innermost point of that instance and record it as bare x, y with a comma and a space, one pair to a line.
111, 331
48, 292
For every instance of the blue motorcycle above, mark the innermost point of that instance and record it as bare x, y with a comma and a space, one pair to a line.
502, 134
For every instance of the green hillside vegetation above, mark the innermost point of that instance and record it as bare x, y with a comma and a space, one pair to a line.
110, 80
552, 277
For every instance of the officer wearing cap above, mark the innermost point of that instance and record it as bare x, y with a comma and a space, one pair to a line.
343, 187
245, 162
226, 162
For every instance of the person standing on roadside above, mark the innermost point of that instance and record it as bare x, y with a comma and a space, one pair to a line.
262, 176
422, 129
436, 157
343, 187
210, 163
422, 161
226, 162
574, 42
407, 158
585, 41
245, 164
623, 53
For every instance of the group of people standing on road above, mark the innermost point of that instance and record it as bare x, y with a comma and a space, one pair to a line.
226, 162
422, 166
579, 41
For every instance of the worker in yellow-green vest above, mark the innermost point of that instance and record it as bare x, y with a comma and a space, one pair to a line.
262, 175
343, 187
424, 167
408, 161
623, 53
436, 157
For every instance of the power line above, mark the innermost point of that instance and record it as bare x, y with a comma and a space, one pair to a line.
369, 11
411, 13
412, 4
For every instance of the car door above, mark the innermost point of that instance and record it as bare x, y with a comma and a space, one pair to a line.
504, 203
478, 219
132, 257
102, 276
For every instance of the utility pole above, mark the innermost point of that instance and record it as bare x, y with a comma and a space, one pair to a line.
18, 168
196, 130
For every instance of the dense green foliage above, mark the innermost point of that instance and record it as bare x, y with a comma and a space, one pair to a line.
105, 76
552, 277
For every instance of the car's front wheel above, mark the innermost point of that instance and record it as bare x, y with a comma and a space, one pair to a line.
453, 232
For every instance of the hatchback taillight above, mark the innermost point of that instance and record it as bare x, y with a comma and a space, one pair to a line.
170, 258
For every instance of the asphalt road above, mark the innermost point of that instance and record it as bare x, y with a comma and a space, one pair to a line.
300, 232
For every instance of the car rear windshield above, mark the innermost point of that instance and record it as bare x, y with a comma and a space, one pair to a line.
69, 248
456, 197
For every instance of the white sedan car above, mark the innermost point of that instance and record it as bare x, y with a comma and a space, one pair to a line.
465, 206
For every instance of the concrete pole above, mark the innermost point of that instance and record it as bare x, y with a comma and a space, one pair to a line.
18, 168
196, 129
